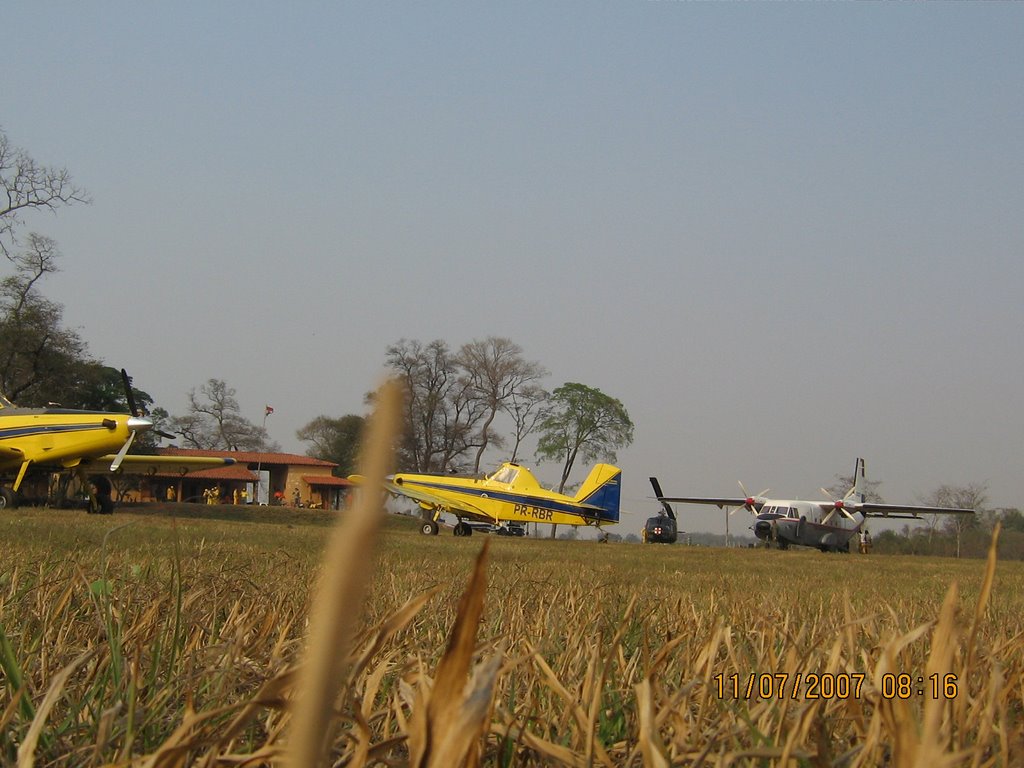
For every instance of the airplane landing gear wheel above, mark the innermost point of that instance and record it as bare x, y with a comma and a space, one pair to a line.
462, 529
8, 499
429, 528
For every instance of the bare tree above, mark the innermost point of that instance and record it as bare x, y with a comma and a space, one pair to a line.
972, 496
496, 372
454, 400
844, 483
29, 186
528, 408
214, 422
39, 360
442, 410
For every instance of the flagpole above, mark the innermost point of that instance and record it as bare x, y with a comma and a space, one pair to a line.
267, 410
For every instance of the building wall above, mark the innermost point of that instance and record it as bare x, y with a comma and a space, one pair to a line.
298, 491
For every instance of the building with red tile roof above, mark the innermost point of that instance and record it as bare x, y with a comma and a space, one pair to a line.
267, 477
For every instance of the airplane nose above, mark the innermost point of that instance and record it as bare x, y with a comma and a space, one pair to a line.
139, 424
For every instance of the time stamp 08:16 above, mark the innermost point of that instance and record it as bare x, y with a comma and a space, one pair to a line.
828, 685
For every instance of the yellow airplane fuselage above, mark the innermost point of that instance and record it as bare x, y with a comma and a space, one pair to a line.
512, 494
59, 438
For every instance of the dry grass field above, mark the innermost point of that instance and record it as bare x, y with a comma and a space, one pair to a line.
154, 640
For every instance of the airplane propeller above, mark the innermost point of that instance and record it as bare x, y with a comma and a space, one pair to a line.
123, 452
134, 410
749, 501
838, 505
129, 396
137, 422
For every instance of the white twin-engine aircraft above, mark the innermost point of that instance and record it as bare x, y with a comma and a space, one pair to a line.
825, 525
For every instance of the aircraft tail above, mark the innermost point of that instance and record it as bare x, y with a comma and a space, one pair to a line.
857, 492
602, 490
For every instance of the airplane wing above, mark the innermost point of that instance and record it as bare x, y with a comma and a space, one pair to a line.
720, 502
151, 465
461, 507
869, 509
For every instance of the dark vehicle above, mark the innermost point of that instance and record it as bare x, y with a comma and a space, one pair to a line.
508, 529
660, 529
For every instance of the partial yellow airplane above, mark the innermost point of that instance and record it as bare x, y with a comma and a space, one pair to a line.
511, 494
62, 438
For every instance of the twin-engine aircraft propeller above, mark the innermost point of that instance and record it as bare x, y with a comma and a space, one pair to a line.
838, 505
749, 501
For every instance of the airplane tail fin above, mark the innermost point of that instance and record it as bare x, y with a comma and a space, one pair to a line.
857, 492
602, 491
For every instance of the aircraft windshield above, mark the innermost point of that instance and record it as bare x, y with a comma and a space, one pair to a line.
505, 475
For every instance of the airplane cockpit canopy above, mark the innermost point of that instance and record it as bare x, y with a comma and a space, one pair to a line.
514, 474
506, 474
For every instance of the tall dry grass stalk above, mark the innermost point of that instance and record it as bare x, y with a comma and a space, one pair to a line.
449, 714
338, 600
448, 718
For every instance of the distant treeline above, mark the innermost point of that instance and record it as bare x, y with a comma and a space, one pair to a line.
946, 541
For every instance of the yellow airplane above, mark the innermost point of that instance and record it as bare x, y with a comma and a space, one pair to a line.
511, 494
62, 438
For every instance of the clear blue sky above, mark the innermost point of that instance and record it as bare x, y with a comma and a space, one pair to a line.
784, 235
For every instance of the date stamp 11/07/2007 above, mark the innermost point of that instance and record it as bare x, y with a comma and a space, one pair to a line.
829, 685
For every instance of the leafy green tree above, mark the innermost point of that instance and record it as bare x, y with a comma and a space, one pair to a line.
1012, 519
40, 360
102, 389
583, 422
335, 440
